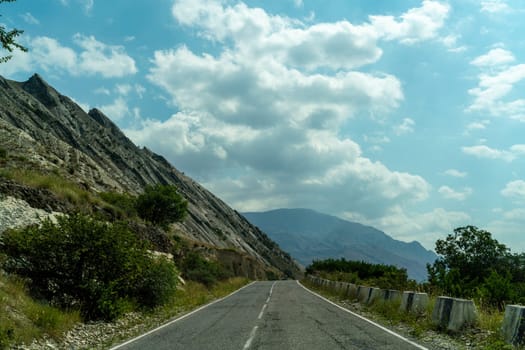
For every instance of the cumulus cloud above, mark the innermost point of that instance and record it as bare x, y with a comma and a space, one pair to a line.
93, 58
495, 6
259, 120
496, 84
425, 227
494, 57
514, 189
406, 127
509, 228
106, 60
415, 25
482, 125
483, 151
450, 193
116, 110
455, 173
87, 5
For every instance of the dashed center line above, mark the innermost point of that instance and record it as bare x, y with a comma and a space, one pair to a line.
254, 330
262, 312
252, 335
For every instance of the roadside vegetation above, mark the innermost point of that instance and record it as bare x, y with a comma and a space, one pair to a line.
471, 265
92, 264
363, 273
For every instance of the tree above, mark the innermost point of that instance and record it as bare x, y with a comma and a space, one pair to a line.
161, 205
7, 38
468, 257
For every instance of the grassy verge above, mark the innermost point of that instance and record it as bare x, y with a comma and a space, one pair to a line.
486, 335
192, 296
23, 319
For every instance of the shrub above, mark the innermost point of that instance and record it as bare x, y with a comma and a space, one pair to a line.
161, 205
158, 283
100, 267
3, 153
124, 204
196, 268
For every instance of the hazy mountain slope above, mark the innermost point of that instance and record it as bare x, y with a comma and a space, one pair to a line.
309, 235
49, 132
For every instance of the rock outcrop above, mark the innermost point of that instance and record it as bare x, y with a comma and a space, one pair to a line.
42, 129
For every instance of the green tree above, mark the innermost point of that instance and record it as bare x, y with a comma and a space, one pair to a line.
8, 39
467, 258
100, 267
161, 205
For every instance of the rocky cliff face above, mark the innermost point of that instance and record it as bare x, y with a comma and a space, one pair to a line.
49, 132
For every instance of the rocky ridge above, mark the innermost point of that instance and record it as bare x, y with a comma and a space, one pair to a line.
42, 129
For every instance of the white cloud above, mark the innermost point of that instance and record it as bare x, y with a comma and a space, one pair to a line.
339, 45
48, 54
450, 193
87, 5
123, 89
29, 18
260, 120
478, 125
495, 6
495, 57
450, 41
425, 227
455, 173
483, 151
239, 90
116, 110
406, 127
415, 25
496, 84
103, 91
94, 58
508, 228
107, 60
514, 189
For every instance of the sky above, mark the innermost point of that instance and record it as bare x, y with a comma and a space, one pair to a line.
405, 115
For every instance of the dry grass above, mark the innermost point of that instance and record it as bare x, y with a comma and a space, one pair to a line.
23, 319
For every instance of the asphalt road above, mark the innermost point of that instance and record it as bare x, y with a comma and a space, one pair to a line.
271, 315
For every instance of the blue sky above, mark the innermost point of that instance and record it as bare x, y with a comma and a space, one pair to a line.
405, 115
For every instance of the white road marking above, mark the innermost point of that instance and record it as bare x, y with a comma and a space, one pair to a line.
178, 319
252, 336
262, 311
254, 330
366, 319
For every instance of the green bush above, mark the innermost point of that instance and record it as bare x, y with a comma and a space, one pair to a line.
158, 283
196, 268
123, 204
3, 153
101, 268
380, 275
161, 205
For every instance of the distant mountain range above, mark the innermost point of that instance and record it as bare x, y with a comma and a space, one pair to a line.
308, 235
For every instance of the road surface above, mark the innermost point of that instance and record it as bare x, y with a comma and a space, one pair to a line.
272, 316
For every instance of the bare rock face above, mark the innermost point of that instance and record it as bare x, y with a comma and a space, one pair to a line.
50, 132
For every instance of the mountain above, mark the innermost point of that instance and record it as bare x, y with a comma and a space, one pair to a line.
310, 235
44, 131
